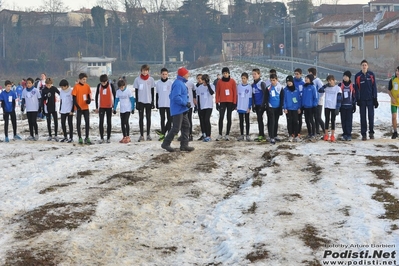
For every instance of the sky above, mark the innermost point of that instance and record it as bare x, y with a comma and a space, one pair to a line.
77, 4
34, 4
226, 203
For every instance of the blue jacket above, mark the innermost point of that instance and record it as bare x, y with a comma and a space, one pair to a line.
309, 96
18, 91
365, 86
178, 96
5, 97
276, 96
298, 82
292, 99
257, 92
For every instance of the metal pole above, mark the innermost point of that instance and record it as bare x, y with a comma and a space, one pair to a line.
285, 48
292, 52
163, 43
231, 46
4, 42
363, 33
120, 44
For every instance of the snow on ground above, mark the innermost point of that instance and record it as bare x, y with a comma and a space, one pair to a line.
226, 203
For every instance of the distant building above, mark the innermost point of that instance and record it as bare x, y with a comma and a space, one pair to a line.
384, 5
242, 44
379, 44
326, 9
93, 66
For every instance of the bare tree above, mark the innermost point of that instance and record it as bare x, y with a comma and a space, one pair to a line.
110, 5
52, 8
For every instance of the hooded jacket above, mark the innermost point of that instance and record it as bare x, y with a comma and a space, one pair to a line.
292, 98
309, 96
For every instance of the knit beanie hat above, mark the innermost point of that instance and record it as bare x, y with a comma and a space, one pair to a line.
225, 69
182, 71
348, 74
310, 77
289, 78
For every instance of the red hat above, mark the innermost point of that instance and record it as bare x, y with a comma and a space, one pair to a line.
182, 71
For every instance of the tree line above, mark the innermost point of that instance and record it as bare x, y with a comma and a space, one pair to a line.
195, 27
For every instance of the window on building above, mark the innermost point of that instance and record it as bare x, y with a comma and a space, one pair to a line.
104, 64
228, 44
89, 64
375, 41
254, 45
350, 45
360, 43
340, 34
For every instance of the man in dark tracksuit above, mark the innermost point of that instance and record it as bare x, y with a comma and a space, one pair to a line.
366, 98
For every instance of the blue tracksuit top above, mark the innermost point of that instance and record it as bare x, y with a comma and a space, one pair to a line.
292, 99
178, 96
365, 86
8, 99
257, 92
309, 96
298, 83
275, 94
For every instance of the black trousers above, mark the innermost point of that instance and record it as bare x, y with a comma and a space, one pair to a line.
273, 115
125, 123
310, 115
259, 117
13, 117
225, 107
243, 117
147, 108
102, 112
68, 117
164, 112
55, 118
330, 113
292, 123
190, 119
86, 116
201, 115
32, 122
205, 117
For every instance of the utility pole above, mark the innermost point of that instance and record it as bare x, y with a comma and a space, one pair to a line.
285, 44
120, 44
4, 42
363, 7
292, 48
163, 43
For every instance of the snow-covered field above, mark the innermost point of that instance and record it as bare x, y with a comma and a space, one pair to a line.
226, 203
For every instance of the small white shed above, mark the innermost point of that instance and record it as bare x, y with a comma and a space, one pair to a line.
92, 66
